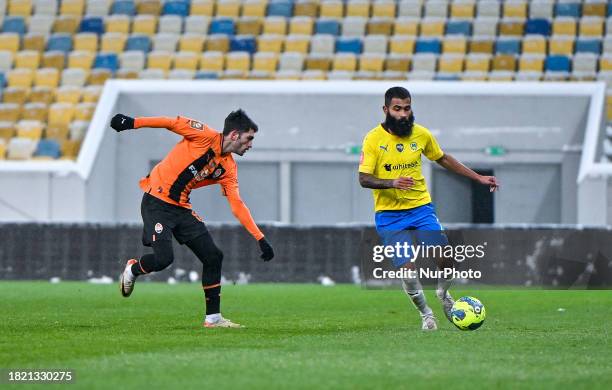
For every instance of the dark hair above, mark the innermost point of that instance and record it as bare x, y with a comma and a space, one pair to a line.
396, 92
240, 121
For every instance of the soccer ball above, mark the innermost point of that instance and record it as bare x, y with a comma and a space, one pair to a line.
468, 313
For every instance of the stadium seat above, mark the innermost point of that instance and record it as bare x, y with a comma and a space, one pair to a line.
595, 8
291, 61
18, 7
265, 62
60, 42
322, 44
9, 112
191, 42
228, 8
534, 44
504, 62
138, 42
84, 112
275, 25
300, 43
165, 41
462, 27
148, 7
567, 9
538, 26
379, 26
179, 8
217, 42
511, 27
34, 41
489, 9
181, 74
345, 62
383, 9
91, 93
450, 63
10, 42
72, 7
561, 45
54, 59
484, 26
314, 74
424, 62
371, 62
331, 9
68, 94
432, 27
515, 9
48, 148
222, 26
282, 8
358, 8
339, 75
348, 45
159, 60
14, 24
591, 26
531, 63
585, 62
201, 8
81, 59
31, 129
556, 63
17, 95
212, 61
463, 9
454, 44
41, 94
541, 9
428, 46
375, 44
327, 26
6, 61
85, 42
144, 24
65, 24
301, 25
410, 8
117, 24
123, 7
27, 59
508, 46
92, 24
44, 7
318, 61
354, 26
41, 24
61, 113
406, 26
248, 25
20, 148
108, 61
77, 129
97, 7
270, 43
70, 148
7, 131
402, 44
113, 42
74, 76
20, 77
197, 24
3, 143
588, 45
435, 8
257, 8
477, 62
243, 43
152, 74
397, 63
170, 24
132, 60
239, 61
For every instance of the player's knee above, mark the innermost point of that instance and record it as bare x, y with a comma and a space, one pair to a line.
164, 255
216, 257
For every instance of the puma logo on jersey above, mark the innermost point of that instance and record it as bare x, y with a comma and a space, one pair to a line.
384, 148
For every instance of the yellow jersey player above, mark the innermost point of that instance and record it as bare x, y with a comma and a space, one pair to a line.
390, 165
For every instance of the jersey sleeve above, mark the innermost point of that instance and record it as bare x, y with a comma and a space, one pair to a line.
186, 127
367, 160
432, 149
229, 188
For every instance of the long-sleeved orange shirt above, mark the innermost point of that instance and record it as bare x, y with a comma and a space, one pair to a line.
196, 161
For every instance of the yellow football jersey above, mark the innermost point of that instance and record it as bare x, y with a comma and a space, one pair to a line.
387, 156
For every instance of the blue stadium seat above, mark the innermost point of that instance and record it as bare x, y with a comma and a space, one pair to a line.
567, 9
508, 46
123, 7
327, 26
14, 24
175, 7
557, 64
92, 24
428, 46
60, 41
138, 42
538, 26
108, 61
446, 77
47, 148
243, 43
206, 75
2, 80
590, 45
348, 45
222, 26
280, 8
463, 27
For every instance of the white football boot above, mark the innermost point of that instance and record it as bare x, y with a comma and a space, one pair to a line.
127, 278
429, 322
447, 302
221, 323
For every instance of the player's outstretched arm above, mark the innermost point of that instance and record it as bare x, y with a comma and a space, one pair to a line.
367, 180
453, 165
122, 122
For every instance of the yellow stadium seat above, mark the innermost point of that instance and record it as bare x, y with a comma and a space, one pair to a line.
511, 27
358, 8
70, 148
591, 26
594, 8
301, 25
561, 45
406, 26
30, 129
534, 44
462, 9
345, 62
228, 8
239, 61
265, 61
20, 77
331, 9
7, 131
84, 111
304, 8
371, 62
397, 63
68, 94
159, 60
3, 143
91, 93
81, 59
478, 62
450, 63
148, 7
432, 27
402, 44
47, 77
504, 62
117, 24
113, 42
454, 44
212, 61
34, 41
34, 111
66, 24
19, 7
531, 63
297, 43
61, 113
54, 59
564, 26
41, 94
318, 62
270, 43
144, 24
383, 9
380, 26
275, 25
254, 8
86, 42
72, 7
10, 112
484, 45
17, 95
202, 7
605, 62
27, 59
248, 25
9, 41
217, 42
57, 132
186, 60
191, 42
99, 76
515, 9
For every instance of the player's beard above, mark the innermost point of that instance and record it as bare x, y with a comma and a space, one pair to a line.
400, 127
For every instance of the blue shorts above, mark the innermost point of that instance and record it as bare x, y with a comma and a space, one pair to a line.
416, 226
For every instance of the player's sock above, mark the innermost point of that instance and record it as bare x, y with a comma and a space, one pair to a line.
414, 290
443, 286
212, 294
139, 267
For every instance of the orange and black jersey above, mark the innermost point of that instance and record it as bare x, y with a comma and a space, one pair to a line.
194, 162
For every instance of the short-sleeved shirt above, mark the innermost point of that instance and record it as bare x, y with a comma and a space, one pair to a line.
387, 156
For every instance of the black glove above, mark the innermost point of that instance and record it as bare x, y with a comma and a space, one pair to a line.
122, 122
267, 253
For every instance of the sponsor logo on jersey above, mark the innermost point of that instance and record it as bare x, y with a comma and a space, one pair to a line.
197, 125
395, 167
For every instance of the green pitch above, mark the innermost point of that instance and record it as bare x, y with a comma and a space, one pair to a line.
303, 336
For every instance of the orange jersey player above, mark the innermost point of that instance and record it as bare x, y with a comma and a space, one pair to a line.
203, 157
